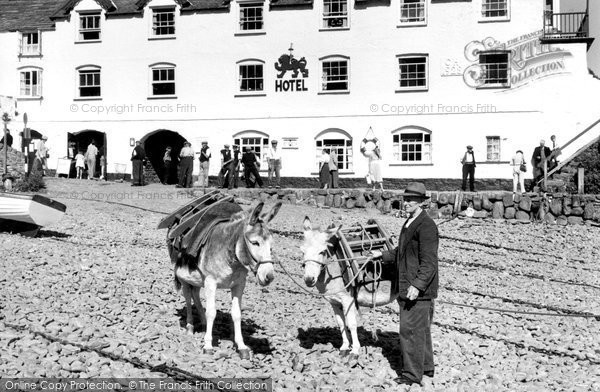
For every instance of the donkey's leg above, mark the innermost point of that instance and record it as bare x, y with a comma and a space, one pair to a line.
351, 314
198, 303
236, 314
341, 321
210, 292
186, 290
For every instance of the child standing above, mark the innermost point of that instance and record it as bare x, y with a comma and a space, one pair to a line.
79, 164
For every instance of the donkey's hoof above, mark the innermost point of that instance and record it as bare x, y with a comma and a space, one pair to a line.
344, 353
209, 351
352, 357
244, 353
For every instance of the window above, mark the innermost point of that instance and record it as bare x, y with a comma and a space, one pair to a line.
335, 14
493, 148
30, 83
251, 16
251, 77
163, 22
494, 9
31, 44
335, 75
163, 80
495, 71
412, 145
413, 72
256, 141
339, 141
89, 82
89, 26
413, 12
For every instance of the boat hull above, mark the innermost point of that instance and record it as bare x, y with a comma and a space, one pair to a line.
32, 209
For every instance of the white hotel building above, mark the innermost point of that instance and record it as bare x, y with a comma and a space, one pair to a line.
427, 76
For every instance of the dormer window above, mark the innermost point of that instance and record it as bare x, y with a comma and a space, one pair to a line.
251, 16
89, 26
335, 14
31, 44
163, 22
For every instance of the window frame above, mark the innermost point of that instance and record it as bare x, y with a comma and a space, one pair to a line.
423, 22
250, 62
347, 149
88, 69
265, 140
39, 75
160, 67
158, 9
483, 18
332, 59
490, 143
426, 146
23, 45
87, 14
241, 4
325, 17
485, 85
400, 88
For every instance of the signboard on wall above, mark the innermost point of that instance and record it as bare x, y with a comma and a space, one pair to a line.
296, 68
290, 143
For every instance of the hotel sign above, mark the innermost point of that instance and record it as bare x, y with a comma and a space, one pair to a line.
529, 59
287, 63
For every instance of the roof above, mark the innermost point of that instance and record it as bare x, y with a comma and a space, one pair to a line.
26, 14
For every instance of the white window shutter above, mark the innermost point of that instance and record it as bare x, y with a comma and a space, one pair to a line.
39, 42
20, 38
40, 73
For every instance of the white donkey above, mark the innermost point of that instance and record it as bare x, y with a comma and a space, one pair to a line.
231, 250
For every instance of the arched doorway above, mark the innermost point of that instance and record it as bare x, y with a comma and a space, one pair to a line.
79, 141
29, 144
155, 144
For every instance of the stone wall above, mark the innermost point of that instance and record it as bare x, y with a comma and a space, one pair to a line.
560, 209
16, 164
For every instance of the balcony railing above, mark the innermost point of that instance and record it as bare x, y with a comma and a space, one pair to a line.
566, 25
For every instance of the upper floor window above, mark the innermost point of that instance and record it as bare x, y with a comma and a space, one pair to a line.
335, 74
163, 22
163, 80
89, 26
251, 16
495, 9
339, 141
493, 148
412, 145
495, 69
413, 72
413, 12
251, 77
89, 82
30, 82
31, 44
335, 14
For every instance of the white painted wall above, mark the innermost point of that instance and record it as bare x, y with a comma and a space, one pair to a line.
205, 52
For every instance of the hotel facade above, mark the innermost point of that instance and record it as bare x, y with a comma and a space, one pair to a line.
425, 77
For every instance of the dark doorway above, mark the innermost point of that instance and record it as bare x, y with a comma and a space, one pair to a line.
155, 145
79, 141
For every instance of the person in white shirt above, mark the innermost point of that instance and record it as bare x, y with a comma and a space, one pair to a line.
274, 159
468, 169
518, 174
90, 159
324, 176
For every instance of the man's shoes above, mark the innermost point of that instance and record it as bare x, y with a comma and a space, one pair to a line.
178, 186
404, 381
429, 373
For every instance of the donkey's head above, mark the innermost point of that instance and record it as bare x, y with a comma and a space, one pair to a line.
316, 248
258, 239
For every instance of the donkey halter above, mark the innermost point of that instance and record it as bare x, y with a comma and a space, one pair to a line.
257, 263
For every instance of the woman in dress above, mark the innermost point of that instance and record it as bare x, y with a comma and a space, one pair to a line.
324, 168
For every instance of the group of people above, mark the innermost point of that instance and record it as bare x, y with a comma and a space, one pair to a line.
328, 168
543, 160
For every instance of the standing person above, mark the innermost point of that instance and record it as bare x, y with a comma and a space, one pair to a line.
80, 164
102, 167
275, 164
555, 153
204, 158
375, 169
333, 169
416, 258
540, 154
167, 165
41, 156
90, 159
138, 155
234, 168
468, 169
186, 166
251, 164
9, 139
324, 169
226, 159
518, 164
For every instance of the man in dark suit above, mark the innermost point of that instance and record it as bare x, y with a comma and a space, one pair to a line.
540, 154
251, 169
416, 258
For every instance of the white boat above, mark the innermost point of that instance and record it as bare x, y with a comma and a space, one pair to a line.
35, 210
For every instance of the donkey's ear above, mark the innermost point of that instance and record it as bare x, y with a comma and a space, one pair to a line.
268, 217
307, 225
255, 213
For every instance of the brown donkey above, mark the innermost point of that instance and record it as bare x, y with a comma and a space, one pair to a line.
232, 248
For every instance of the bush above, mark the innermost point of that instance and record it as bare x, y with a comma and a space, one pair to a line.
33, 183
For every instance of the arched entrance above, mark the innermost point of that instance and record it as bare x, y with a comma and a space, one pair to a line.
79, 141
155, 144
29, 143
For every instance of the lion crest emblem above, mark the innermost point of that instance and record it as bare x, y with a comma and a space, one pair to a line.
287, 62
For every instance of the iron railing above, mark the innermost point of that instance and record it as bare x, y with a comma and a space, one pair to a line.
566, 25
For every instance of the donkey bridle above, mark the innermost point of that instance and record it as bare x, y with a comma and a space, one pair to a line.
257, 263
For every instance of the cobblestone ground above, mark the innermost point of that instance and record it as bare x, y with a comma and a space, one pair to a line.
93, 296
